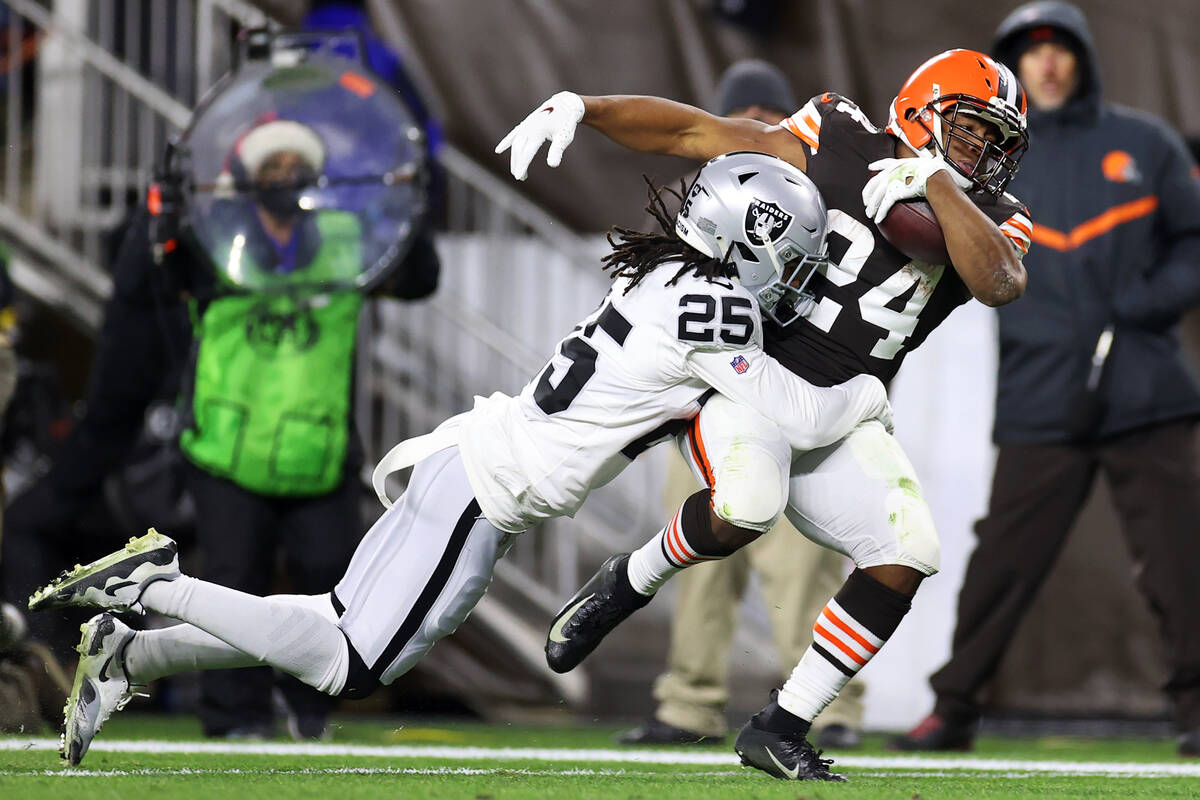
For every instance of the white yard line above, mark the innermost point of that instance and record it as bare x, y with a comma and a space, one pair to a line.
883, 765
110, 773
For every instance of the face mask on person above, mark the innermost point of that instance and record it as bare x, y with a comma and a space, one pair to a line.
280, 197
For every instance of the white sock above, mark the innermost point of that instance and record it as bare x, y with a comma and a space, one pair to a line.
847, 634
293, 633
667, 552
180, 648
813, 685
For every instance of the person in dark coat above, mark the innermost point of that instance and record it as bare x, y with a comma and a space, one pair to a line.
1091, 376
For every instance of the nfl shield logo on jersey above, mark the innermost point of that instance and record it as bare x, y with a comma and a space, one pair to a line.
740, 365
765, 221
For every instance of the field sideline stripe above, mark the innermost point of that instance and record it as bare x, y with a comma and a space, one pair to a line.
956, 763
477, 771
469, 771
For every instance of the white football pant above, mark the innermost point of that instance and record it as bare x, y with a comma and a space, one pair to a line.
859, 497
420, 570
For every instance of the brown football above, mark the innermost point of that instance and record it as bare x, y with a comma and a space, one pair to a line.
912, 228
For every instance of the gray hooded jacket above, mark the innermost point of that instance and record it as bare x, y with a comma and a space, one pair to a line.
1115, 200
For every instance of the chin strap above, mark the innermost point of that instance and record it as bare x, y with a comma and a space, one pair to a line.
774, 257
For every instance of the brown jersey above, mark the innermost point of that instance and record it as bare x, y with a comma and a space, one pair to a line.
873, 303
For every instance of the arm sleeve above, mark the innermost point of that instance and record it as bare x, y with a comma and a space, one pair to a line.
144, 329
1160, 297
808, 416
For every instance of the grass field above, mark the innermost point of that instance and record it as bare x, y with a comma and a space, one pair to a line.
165, 759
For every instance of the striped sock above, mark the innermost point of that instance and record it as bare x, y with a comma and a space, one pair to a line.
848, 632
686, 540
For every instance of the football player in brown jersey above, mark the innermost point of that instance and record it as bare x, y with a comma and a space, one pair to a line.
955, 136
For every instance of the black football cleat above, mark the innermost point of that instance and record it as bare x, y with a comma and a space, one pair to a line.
1189, 744
935, 733
839, 737
601, 605
787, 756
116, 581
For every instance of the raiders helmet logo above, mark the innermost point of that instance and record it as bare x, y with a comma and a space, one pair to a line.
765, 222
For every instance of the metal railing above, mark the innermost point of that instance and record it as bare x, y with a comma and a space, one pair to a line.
86, 120
113, 79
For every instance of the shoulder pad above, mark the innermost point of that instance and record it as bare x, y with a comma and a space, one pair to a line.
806, 123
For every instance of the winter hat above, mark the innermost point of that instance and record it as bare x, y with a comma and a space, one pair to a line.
277, 136
753, 83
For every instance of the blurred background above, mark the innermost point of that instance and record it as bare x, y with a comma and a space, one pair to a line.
90, 91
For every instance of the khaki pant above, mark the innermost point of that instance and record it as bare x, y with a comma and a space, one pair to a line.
798, 578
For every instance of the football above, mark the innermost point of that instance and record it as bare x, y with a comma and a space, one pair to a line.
912, 228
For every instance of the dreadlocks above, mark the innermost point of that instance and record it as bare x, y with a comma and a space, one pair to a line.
637, 254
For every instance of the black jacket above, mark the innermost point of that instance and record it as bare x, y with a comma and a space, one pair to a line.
1115, 200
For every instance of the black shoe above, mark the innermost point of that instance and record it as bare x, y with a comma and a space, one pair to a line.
253, 732
787, 756
1189, 744
839, 737
936, 732
655, 731
308, 727
602, 604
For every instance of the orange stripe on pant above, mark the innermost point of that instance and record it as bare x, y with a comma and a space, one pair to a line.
1096, 226
700, 454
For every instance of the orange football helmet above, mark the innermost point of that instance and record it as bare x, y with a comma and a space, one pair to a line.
924, 114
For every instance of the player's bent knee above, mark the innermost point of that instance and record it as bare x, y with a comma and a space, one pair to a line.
751, 488
915, 534
755, 501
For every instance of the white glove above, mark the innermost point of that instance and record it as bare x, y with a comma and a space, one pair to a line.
555, 120
903, 179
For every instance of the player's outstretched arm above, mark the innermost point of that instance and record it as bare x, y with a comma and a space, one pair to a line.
646, 124
658, 125
808, 416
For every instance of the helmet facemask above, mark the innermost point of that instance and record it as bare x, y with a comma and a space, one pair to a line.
997, 162
784, 299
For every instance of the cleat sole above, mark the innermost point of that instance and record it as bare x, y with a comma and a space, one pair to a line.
93, 584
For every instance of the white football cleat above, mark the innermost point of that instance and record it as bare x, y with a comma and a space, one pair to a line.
116, 581
101, 685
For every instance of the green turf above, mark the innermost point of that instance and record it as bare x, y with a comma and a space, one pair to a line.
37, 774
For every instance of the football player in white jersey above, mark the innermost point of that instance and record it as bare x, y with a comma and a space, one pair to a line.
956, 133
683, 319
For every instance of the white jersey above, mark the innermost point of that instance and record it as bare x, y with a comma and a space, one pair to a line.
631, 374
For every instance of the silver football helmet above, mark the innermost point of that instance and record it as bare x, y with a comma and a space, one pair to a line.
765, 217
